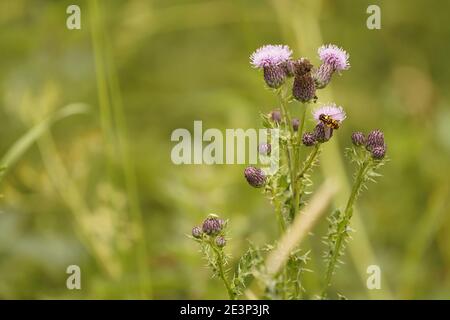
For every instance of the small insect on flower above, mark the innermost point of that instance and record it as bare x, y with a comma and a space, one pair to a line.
330, 115
329, 121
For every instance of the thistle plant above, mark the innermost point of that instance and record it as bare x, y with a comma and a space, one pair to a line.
296, 83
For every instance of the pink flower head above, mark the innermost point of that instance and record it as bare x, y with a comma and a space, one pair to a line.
335, 112
334, 56
270, 55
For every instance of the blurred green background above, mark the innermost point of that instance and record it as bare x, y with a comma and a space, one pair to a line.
99, 189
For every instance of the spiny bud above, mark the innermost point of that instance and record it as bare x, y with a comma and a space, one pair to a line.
212, 225
221, 241
265, 149
378, 152
309, 139
295, 124
197, 232
358, 138
255, 177
322, 132
274, 76
275, 115
375, 139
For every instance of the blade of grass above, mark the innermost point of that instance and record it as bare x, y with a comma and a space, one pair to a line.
16, 151
111, 112
420, 239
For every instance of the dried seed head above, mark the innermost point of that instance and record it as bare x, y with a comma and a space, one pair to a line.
197, 232
212, 225
265, 149
378, 152
309, 139
302, 67
274, 76
255, 177
304, 88
276, 116
322, 132
358, 138
221, 241
375, 139
295, 124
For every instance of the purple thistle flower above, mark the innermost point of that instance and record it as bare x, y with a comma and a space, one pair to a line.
255, 177
212, 225
375, 139
275, 116
274, 76
335, 112
358, 138
270, 55
197, 232
334, 56
295, 124
333, 59
265, 149
379, 152
309, 139
221, 241
322, 133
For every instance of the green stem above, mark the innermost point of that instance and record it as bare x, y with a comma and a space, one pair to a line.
290, 150
342, 226
222, 274
308, 163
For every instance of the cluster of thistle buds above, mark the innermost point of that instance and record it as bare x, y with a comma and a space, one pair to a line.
374, 143
212, 231
277, 65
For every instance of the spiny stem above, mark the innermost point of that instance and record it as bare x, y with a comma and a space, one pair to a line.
290, 150
308, 163
342, 226
222, 274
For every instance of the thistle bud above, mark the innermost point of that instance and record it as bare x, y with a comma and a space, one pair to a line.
197, 232
378, 152
304, 88
275, 115
295, 124
322, 132
274, 75
309, 139
212, 225
255, 177
265, 149
221, 241
375, 139
358, 138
